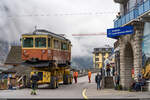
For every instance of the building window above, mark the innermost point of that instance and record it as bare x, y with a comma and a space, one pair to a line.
96, 49
96, 59
97, 54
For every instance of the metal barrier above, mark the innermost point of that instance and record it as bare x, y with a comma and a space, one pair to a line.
139, 10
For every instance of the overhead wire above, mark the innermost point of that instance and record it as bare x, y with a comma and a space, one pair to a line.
59, 14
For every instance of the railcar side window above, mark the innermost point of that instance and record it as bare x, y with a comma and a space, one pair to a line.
49, 42
64, 46
28, 42
56, 44
40, 42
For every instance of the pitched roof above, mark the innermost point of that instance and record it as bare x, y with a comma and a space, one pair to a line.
14, 56
4, 68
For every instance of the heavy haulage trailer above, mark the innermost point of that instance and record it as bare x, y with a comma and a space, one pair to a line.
48, 55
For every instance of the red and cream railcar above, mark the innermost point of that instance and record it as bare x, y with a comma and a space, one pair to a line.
45, 46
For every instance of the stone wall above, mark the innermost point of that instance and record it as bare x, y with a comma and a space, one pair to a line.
131, 54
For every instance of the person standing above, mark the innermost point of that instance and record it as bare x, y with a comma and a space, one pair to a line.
116, 80
34, 79
113, 70
89, 76
108, 70
75, 75
9, 83
98, 79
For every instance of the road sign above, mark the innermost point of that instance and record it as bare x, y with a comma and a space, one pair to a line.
116, 32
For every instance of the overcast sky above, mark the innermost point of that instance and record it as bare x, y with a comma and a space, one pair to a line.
62, 17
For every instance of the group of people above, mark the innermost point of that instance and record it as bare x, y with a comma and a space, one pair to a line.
75, 76
137, 84
110, 70
98, 79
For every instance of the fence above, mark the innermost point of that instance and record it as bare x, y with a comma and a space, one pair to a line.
139, 10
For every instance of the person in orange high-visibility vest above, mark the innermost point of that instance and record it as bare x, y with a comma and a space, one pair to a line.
89, 76
75, 75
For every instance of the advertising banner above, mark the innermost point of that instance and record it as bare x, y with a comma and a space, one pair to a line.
146, 48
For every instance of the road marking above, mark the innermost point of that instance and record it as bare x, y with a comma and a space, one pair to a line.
83, 94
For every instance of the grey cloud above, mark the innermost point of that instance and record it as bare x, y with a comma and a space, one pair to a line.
14, 20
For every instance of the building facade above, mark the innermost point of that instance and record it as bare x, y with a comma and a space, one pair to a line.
135, 13
100, 55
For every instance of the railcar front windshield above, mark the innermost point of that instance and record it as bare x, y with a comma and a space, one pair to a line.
40, 42
28, 42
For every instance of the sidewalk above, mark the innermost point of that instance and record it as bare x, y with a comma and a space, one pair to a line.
92, 92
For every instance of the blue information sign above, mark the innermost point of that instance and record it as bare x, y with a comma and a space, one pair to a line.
115, 32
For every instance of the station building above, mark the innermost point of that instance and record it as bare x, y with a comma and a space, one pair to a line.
132, 47
100, 55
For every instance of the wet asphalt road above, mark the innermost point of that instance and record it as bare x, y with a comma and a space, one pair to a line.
64, 91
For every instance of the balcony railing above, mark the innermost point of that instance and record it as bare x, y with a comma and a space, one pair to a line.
133, 14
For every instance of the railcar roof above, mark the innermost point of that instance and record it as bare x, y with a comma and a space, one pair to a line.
45, 32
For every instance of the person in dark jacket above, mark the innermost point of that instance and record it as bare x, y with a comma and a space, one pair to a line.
34, 79
98, 79
116, 80
113, 70
108, 70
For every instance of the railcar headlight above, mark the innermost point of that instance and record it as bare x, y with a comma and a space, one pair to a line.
24, 51
43, 51
49, 51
